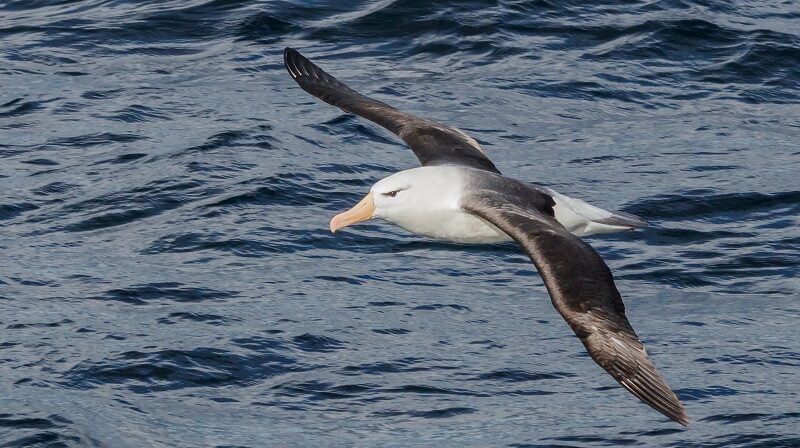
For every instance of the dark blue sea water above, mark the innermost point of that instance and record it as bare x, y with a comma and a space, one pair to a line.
167, 277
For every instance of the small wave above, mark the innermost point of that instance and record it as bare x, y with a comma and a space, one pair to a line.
518, 376
435, 413
700, 203
151, 293
147, 372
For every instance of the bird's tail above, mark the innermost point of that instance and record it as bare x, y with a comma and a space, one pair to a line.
582, 219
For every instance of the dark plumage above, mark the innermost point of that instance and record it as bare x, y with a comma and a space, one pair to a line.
432, 143
582, 289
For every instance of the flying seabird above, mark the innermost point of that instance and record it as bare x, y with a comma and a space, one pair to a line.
459, 195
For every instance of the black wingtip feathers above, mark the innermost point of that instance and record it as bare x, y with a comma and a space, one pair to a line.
290, 56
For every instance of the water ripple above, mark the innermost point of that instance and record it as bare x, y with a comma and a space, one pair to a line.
168, 277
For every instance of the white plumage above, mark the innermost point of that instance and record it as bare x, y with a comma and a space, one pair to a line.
428, 202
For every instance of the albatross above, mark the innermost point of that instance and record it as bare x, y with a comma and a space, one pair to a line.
459, 195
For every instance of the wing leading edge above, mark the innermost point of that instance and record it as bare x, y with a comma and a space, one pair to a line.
432, 143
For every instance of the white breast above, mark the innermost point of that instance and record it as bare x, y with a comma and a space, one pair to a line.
454, 225
431, 207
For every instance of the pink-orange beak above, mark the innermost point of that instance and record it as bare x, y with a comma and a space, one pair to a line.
360, 212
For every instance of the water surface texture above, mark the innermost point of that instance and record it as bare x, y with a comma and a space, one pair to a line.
167, 277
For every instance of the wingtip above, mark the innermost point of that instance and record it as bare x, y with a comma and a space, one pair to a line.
666, 403
678, 413
682, 418
289, 55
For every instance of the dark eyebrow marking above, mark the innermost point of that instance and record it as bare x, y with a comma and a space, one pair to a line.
393, 193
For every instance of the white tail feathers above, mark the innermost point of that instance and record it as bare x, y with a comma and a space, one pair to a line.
583, 219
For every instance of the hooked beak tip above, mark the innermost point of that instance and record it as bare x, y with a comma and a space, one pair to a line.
360, 212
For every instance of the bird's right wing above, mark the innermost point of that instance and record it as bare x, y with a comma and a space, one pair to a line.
582, 289
432, 143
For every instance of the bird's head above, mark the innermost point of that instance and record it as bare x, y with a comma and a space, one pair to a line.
395, 198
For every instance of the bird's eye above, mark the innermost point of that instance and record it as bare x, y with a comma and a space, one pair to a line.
391, 194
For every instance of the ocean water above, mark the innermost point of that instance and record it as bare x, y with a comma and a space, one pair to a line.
168, 279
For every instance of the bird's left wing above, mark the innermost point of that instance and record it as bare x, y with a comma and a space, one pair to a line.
582, 289
433, 143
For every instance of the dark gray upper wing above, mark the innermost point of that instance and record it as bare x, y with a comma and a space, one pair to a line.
582, 289
432, 143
